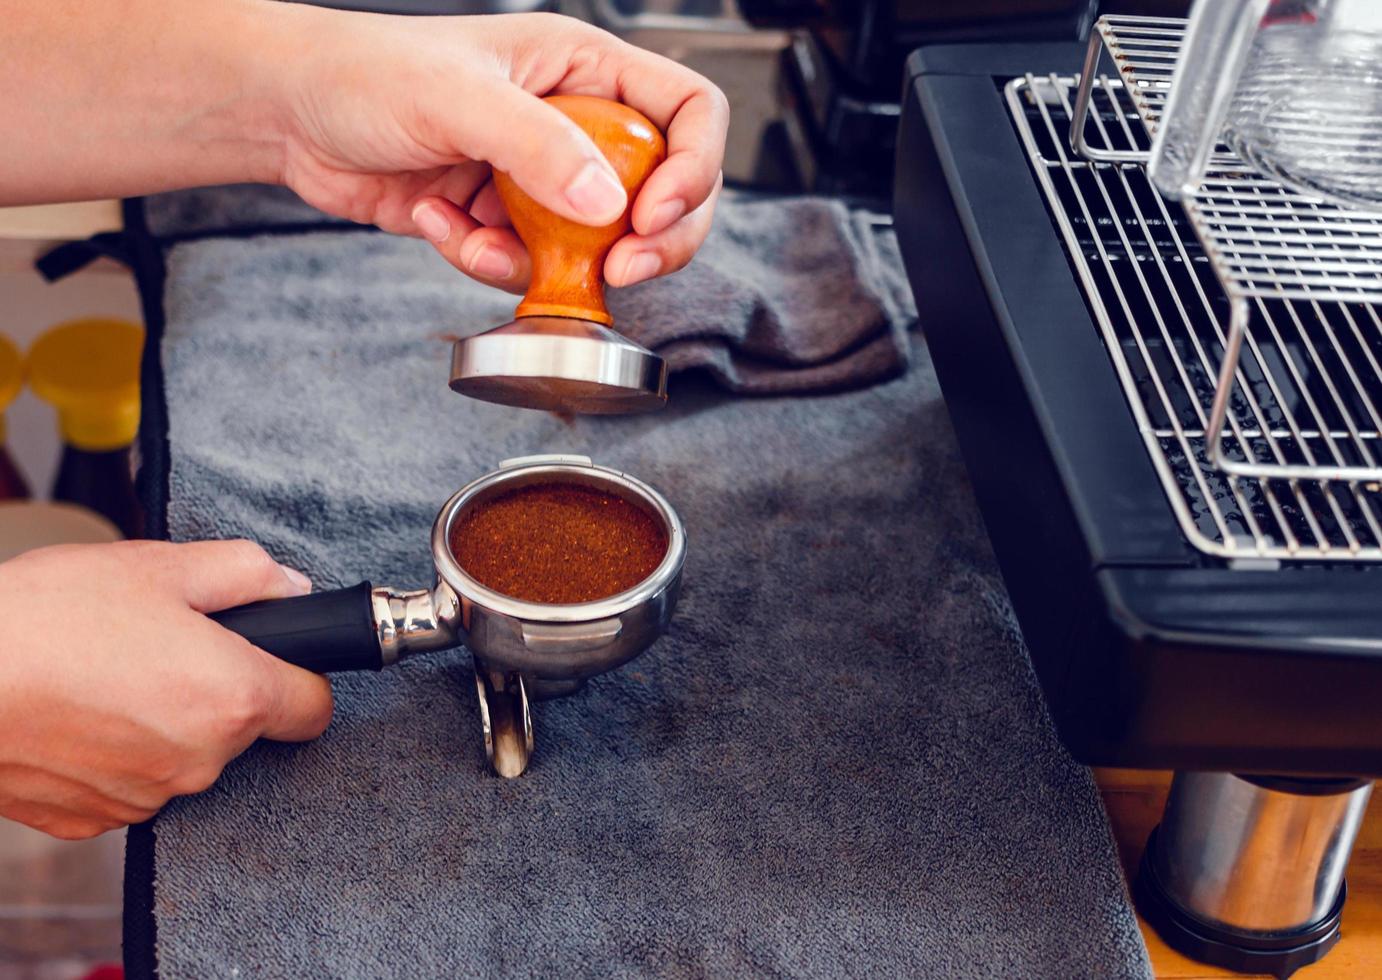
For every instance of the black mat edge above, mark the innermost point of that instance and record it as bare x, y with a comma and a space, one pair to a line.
145, 253
140, 937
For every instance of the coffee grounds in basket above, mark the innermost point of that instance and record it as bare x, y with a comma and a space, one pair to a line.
558, 543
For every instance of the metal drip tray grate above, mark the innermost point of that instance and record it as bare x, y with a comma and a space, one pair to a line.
1267, 240
1308, 385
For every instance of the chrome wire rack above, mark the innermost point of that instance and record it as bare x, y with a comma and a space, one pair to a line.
1304, 388
1143, 50
1267, 245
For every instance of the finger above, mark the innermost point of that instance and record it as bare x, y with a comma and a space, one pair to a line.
44, 789
545, 153
691, 172
497, 257
215, 575
299, 703
56, 822
494, 256
461, 184
254, 695
636, 258
488, 209
441, 221
694, 115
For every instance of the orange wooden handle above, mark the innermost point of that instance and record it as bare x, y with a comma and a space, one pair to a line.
568, 257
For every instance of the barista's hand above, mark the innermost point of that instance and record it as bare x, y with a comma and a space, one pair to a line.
397, 120
116, 693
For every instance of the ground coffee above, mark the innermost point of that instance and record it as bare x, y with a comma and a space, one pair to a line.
558, 543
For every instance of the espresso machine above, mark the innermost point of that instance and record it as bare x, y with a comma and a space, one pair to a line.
1150, 273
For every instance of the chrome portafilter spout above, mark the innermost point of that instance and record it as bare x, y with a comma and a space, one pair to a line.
523, 651
560, 354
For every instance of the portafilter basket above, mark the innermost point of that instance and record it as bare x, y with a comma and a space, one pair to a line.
521, 650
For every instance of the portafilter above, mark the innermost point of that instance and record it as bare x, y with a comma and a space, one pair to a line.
522, 650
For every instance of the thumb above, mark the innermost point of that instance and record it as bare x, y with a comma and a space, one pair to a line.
300, 706
215, 575
549, 156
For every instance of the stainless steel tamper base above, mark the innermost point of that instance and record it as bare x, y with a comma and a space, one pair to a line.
559, 364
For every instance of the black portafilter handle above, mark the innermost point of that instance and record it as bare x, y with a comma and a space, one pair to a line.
324, 632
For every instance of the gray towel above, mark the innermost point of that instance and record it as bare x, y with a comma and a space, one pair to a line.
836, 763
787, 296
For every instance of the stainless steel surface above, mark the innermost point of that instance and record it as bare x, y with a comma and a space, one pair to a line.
1188, 124
1268, 240
1267, 245
570, 459
492, 624
412, 621
1143, 50
1147, 43
1300, 388
568, 636
506, 720
1255, 860
559, 364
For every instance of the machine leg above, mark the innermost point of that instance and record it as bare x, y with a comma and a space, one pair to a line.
1247, 872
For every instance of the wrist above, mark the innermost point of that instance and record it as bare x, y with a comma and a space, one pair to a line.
258, 44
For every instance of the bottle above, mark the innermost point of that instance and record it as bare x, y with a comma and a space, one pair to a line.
89, 371
13, 486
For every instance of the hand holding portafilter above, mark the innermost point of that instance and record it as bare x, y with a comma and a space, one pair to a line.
522, 649
560, 354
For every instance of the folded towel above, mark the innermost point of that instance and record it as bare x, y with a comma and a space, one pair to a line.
787, 295
836, 763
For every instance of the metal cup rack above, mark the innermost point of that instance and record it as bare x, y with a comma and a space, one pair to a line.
1300, 408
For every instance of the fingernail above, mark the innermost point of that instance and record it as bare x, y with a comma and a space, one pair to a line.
640, 266
665, 214
431, 222
491, 263
300, 581
596, 193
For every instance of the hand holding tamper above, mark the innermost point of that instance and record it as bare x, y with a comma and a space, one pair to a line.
560, 353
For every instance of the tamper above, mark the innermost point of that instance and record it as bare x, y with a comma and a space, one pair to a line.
560, 353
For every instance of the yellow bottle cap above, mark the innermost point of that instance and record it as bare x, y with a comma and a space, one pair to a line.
11, 377
89, 371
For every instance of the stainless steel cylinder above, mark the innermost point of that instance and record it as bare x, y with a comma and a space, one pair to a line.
559, 364
1250, 859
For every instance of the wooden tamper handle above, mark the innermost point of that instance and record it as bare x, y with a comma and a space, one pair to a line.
568, 257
